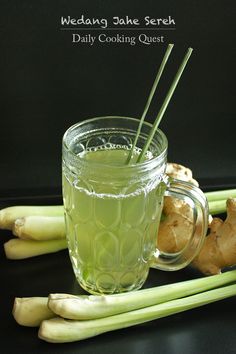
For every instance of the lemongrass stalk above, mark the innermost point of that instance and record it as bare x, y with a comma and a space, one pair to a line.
10, 214
150, 97
40, 228
219, 195
59, 330
165, 104
20, 249
86, 307
217, 207
31, 311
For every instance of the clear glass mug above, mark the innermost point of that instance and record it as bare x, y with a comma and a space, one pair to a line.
113, 210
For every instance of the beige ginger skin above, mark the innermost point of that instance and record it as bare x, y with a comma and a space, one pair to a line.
219, 248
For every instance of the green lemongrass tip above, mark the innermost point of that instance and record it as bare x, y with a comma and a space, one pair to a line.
59, 330
96, 306
222, 194
157, 79
165, 104
40, 227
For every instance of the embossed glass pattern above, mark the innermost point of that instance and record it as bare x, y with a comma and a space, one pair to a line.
112, 211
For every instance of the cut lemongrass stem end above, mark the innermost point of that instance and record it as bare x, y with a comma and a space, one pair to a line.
40, 228
165, 104
219, 195
10, 214
31, 311
150, 97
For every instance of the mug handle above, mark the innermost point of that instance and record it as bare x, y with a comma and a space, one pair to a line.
196, 199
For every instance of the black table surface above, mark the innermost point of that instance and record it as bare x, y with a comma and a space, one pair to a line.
208, 329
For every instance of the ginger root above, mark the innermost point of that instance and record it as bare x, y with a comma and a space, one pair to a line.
181, 172
176, 227
219, 248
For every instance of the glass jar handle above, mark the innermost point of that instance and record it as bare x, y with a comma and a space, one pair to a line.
197, 201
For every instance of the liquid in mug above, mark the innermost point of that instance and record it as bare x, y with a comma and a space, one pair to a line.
111, 228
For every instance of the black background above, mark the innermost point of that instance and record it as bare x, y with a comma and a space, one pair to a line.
48, 83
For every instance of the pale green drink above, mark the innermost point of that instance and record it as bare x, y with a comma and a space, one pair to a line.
112, 228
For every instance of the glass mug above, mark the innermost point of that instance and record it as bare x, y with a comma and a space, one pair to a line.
113, 209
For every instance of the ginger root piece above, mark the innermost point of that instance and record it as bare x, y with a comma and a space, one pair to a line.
219, 248
177, 226
180, 172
